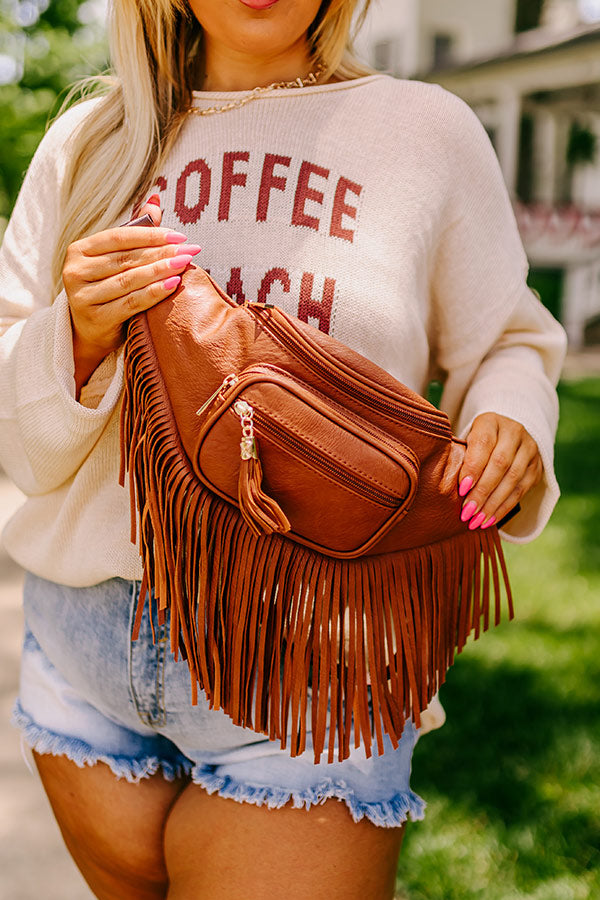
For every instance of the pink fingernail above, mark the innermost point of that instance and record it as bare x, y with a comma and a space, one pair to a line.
491, 521
171, 282
476, 522
178, 262
154, 199
465, 486
192, 249
468, 510
175, 237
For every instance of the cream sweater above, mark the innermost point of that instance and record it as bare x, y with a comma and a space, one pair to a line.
374, 209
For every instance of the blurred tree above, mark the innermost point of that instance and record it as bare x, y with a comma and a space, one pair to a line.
44, 48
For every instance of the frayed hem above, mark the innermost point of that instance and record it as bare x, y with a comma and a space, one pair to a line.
46, 742
384, 813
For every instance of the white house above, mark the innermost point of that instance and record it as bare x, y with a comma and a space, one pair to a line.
531, 71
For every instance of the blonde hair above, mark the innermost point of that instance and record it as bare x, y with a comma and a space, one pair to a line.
156, 52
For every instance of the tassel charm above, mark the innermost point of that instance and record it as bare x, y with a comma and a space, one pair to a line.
262, 514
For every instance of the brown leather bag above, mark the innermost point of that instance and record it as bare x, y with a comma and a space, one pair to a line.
299, 514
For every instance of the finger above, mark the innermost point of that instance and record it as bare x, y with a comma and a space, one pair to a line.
131, 238
129, 281
494, 511
504, 457
481, 441
147, 297
509, 485
152, 208
98, 268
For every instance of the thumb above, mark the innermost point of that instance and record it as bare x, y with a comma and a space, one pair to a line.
152, 208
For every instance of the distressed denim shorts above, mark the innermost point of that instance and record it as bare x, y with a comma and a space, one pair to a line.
90, 693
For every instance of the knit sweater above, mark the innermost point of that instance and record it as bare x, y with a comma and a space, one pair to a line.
374, 209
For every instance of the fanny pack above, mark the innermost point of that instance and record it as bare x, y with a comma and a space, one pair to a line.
299, 516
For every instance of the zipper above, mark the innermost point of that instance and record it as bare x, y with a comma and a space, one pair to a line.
342, 475
227, 383
364, 395
249, 374
377, 433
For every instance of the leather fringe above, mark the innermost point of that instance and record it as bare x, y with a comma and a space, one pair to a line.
276, 634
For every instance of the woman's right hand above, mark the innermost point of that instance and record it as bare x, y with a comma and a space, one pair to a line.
114, 274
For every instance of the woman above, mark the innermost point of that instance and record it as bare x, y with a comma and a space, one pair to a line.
371, 207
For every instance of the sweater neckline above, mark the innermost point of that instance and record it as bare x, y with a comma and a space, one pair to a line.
200, 97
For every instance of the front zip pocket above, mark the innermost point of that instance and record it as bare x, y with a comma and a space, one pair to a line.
340, 485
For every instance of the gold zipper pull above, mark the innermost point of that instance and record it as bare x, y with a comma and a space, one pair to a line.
227, 383
247, 444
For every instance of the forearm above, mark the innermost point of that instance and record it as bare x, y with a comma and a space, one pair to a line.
45, 433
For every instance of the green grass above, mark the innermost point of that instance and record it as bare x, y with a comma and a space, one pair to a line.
513, 778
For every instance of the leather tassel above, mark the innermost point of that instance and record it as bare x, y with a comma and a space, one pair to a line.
262, 514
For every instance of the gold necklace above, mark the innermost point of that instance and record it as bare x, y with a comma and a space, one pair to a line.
311, 78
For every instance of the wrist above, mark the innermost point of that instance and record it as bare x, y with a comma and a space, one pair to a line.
87, 356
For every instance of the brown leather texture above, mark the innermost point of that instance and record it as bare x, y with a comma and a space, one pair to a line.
357, 461
325, 580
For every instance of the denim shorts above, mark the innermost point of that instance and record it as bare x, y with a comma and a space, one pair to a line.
90, 693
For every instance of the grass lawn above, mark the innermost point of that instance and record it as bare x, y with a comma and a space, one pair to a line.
512, 780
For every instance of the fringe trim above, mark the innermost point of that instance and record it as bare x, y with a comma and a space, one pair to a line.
83, 754
261, 619
383, 813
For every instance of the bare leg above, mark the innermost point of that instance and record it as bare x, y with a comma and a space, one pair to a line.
218, 849
112, 828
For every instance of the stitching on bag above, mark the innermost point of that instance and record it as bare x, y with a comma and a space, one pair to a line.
372, 430
381, 413
339, 484
327, 452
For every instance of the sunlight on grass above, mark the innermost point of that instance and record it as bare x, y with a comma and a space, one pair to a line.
513, 779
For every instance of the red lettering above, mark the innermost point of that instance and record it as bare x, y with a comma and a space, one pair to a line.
230, 178
190, 214
308, 308
341, 208
235, 286
161, 183
270, 181
273, 275
304, 192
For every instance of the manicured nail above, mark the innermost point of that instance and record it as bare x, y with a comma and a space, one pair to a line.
468, 510
178, 262
465, 486
171, 282
155, 199
192, 249
175, 237
491, 521
476, 522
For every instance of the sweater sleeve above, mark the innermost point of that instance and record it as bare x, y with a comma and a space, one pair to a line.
497, 348
45, 434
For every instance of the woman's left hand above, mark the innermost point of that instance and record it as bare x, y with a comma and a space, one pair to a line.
501, 464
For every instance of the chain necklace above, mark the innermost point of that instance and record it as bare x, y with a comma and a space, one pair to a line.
311, 78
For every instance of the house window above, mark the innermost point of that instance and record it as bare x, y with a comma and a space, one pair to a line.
386, 55
443, 50
526, 160
528, 15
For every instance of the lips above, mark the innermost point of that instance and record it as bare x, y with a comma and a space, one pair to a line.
259, 4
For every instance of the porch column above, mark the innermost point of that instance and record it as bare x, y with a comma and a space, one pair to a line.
577, 301
545, 148
507, 138
410, 62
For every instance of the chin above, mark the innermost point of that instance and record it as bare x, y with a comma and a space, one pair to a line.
256, 27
